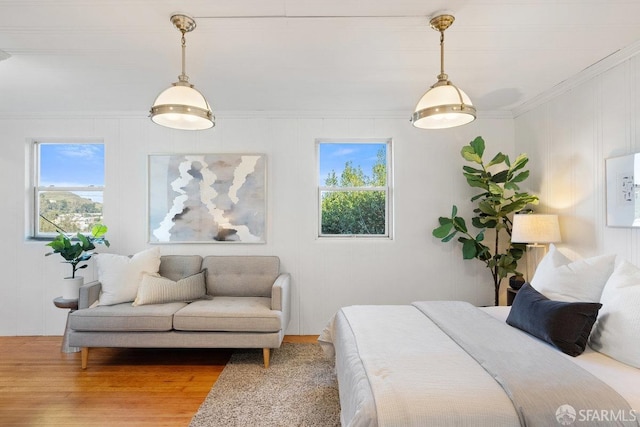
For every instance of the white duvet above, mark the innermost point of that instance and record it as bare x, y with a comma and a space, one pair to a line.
458, 387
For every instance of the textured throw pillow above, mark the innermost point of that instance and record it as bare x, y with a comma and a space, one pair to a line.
617, 331
121, 275
565, 325
160, 290
558, 278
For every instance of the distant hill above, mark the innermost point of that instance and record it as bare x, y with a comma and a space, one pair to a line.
69, 211
64, 195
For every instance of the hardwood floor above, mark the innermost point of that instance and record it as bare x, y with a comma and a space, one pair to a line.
41, 386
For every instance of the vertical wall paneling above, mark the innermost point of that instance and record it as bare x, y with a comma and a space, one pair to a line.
593, 121
326, 274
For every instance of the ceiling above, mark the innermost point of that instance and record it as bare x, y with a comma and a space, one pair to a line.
298, 55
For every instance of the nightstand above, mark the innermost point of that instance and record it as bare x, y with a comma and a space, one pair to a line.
511, 294
72, 305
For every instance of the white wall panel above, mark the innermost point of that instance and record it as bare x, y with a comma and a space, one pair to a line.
571, 135
327, 274
14, 262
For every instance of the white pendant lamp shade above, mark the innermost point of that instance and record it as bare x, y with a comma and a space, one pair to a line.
181, 106
444, 105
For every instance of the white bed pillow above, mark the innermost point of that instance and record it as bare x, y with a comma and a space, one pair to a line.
160, 290
121, 275
617, 330
558, 278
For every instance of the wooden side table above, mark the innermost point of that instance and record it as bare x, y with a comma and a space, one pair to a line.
72, 305
511, 294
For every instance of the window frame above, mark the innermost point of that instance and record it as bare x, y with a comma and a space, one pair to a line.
36, 186
387, 189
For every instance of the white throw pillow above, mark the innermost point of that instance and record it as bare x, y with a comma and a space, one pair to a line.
617, 330
120, 275
160, 290
558, 278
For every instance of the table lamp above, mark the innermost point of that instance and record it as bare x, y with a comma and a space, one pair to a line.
536, 230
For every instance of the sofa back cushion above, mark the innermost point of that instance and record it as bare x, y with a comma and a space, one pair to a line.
241, 276
176, 267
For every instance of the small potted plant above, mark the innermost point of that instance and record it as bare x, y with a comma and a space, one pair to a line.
75, 253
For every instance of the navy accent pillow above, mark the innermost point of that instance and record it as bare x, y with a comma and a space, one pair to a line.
565, 325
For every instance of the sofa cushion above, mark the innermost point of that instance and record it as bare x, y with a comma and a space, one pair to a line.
125, 318
176, 267
229, 314
241, 276
121, 275
161, 290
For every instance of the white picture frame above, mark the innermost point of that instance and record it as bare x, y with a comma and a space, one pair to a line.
623, 190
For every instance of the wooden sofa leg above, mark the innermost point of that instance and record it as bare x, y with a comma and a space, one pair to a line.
85, 356
265, 355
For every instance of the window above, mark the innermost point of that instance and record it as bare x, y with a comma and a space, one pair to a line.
68, 187
354, 184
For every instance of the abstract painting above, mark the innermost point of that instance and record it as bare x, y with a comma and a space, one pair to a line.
207, 198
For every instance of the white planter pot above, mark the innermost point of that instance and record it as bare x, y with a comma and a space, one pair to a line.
71, 287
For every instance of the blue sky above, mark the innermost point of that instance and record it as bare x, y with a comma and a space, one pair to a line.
82, 165
333, 156
72, 165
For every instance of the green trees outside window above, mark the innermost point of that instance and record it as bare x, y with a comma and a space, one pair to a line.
355, 202
69, 210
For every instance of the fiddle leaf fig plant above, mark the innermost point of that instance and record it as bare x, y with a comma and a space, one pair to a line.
499, 199
80, 251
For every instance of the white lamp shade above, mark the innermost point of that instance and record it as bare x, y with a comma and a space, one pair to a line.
182, 107
441, 108
538, 228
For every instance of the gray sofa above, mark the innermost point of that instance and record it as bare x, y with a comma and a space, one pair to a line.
249, 308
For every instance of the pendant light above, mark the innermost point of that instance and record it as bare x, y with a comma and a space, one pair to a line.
181, 106
444, 105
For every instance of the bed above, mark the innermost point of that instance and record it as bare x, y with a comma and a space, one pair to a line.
567, 352
397, 367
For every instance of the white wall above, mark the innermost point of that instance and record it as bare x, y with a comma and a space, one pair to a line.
568, 139
326, 274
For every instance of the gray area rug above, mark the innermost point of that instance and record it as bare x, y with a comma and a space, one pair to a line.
298, 389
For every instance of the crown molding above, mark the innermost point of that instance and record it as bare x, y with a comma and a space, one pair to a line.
592, 71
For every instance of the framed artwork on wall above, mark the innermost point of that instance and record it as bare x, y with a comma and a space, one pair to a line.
623, 194
207, 198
